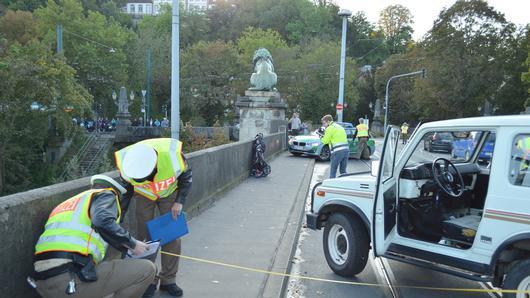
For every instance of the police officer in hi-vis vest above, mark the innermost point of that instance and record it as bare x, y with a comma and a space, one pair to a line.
69, 253
362, 134
161, 176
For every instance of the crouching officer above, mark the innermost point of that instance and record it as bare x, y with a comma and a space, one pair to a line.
69, 254
161, 176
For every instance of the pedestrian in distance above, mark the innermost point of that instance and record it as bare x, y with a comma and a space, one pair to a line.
296, 124
335, 138
404, 132
69, 253
161, 176
362, 134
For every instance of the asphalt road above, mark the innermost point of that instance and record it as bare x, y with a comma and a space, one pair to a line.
309, 260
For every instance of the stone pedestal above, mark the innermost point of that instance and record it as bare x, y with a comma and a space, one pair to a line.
377, 127
123, 114
260, 112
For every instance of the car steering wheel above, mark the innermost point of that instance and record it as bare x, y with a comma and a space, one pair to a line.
446, 180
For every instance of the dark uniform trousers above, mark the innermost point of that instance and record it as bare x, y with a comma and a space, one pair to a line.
127, 278
145, 211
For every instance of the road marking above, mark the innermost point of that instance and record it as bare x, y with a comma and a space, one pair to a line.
386, 273
364, 284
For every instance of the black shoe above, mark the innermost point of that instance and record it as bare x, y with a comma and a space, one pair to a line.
172, 289
150, 291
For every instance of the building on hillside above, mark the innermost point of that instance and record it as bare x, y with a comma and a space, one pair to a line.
139, 8
200, 5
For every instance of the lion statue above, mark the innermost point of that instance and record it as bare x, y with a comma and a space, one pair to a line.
263, 78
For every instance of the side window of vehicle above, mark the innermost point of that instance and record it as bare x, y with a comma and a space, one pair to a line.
349, 133
520, 161
390, 155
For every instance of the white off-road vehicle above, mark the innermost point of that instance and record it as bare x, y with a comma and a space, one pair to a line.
463, 214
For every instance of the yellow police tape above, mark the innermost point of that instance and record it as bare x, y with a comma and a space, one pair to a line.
345, 282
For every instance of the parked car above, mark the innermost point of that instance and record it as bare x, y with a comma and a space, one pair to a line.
465, 148
462, 217
438, 141
312, 145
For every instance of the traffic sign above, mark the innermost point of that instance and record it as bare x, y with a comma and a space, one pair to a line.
339, 107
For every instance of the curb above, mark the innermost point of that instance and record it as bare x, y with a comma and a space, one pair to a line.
275, 286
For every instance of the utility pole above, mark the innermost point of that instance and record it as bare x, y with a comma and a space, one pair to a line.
175, 77
148, 74
345, 14
59, 30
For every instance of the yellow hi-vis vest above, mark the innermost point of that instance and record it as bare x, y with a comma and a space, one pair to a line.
524, 146
170, 164
362, 130
69, 228
404, 129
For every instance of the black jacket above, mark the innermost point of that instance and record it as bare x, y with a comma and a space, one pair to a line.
103, 214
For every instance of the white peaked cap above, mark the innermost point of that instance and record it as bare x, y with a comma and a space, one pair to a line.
106, 180
139, 161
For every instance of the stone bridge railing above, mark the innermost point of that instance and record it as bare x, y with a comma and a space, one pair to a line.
22, 215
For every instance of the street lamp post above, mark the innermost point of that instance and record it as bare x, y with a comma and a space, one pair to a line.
143, 106
345, 14
422, 73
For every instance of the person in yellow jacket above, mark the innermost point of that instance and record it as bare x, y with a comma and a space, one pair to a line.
362, 134
69, 253
522, 154
335, 138
161, 176
404, 131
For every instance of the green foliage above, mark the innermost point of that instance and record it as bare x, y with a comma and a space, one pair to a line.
19, 26
207, 72
395, 21
251, 39
33, 73
86, 42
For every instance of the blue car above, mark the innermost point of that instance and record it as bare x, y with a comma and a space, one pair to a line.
466, 147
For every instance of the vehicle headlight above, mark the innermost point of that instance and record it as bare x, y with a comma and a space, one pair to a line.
315, 144
290, 142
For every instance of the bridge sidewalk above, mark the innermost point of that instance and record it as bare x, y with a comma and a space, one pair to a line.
253, 225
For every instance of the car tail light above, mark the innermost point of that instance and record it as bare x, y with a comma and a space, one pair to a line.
321, 193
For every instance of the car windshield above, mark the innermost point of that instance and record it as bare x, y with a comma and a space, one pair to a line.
457, 146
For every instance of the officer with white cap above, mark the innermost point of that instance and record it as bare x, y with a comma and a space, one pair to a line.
160, 174
69, 253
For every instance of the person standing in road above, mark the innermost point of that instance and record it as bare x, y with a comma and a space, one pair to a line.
161, 176
69, 253
362, 135
522, 154
404, 131
335, 138
296, 124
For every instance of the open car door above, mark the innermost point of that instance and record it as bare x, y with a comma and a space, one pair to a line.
385, 205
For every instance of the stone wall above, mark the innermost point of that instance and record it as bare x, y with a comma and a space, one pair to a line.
22, 215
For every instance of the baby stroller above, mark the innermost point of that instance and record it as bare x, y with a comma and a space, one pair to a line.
259, 167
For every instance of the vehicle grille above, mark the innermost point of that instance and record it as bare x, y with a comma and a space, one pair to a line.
299, 143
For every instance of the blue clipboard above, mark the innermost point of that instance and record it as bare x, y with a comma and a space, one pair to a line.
166, 229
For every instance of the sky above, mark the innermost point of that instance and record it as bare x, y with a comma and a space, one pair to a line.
425, 12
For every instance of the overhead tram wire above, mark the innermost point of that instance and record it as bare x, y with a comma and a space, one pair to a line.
111, 49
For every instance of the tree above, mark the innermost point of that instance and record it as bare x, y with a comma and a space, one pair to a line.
19, 26
465, 56
31, 73
395, 21
93, 45
206, 88
525, 77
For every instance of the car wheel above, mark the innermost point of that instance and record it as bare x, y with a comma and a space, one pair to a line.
325, 154
518, 278
296, 153
345, 245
